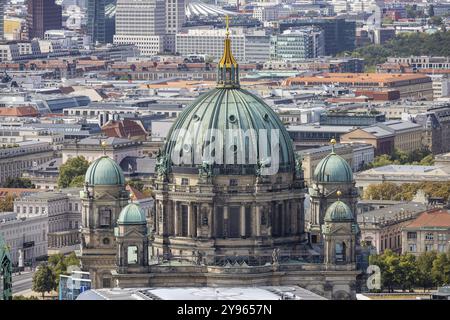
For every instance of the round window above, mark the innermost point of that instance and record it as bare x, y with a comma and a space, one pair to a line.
105, 240
232, 118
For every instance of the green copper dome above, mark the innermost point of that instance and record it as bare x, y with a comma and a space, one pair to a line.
104, 171
222, 109
132, 214
338, 212
333, 168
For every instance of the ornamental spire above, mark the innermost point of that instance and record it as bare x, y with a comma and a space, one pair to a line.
228, 68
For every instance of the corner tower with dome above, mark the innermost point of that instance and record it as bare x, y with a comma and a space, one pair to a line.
228, 206
333, 174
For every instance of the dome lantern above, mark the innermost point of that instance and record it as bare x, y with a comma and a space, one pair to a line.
333, 168
228, 68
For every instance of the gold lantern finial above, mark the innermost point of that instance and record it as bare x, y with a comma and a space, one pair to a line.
339, 194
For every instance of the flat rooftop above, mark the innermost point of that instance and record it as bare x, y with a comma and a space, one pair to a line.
203, 293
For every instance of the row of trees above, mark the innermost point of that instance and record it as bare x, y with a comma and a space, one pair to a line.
403, 45
421, 157
408, 272
46, 277
23, 183
407, 191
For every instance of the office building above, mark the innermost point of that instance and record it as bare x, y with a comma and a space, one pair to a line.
297, 44
96, 20
142, 24
339, 34
43, 15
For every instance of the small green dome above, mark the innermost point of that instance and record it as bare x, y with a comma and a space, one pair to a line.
338, 211
132, 214
104, 171
333, 168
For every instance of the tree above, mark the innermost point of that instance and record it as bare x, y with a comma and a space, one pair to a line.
436, 21
71, 171
24, 183
440, 271
59, 264
7, 203
388, 262
44, 279
382, 191
21, 297
77, 182
407, 271
137, 184
424, 266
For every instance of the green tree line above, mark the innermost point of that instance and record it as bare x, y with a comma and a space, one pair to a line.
407, 191
404, 45
417, 157
407, 272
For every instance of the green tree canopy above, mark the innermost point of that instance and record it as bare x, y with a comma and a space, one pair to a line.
44, 279
72, 172
407, 191
7, 203
18, 183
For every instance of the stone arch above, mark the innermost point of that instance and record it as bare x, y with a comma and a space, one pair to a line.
341, 295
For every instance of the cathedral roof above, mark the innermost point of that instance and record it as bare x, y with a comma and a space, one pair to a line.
104, 171
333, 168
225, 108
132, 214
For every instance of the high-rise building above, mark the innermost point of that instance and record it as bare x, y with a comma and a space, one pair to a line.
142, 24
175, 13
96, 20
2, 12
339, 34
298, 44
43, 15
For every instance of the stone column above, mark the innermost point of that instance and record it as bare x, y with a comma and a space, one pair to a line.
210, 221
175, 218
258, 221
199, 220
242, 225
190, 220
283, 218
225, 221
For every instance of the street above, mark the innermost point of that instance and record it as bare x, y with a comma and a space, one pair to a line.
22, 283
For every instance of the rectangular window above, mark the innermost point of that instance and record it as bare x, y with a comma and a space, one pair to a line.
105, 217
428, 247
412, 235
233, 182
441, 248
412, 247
184, 181
429, 236
442, 237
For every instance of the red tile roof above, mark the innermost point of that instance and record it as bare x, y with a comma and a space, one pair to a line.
432, 218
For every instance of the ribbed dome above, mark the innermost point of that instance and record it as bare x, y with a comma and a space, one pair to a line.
333, 168
223, 109
132, 214
104, 171
338, 211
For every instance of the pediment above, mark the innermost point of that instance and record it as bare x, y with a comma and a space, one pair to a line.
133, 233
104, 196
339, 229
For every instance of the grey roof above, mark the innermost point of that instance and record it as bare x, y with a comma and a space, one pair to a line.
391, 211
405, 168
319, 128
202, 293
110, 141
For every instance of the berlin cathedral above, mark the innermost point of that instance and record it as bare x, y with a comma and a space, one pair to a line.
224, 223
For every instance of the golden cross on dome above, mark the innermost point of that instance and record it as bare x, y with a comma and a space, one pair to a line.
227, 22
104, 144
